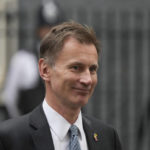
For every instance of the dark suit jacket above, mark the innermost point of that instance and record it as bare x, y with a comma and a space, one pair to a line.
32, 132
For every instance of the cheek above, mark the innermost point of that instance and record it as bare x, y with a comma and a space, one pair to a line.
56, 81
61, 83
55, 84
94, 80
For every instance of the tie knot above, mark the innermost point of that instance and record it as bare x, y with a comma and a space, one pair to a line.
74, 130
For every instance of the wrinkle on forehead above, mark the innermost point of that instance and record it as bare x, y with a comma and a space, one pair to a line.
76, 51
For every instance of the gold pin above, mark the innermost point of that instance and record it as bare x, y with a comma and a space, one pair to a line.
96, 137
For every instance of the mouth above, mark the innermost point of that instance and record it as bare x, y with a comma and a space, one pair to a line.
82, 90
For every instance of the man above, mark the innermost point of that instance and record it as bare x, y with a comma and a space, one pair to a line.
68, 65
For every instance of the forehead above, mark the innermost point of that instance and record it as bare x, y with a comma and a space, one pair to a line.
73, 51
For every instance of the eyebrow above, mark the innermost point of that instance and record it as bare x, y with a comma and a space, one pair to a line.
95, 65
81, 64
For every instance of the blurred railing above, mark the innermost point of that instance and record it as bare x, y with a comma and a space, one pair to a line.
124, 73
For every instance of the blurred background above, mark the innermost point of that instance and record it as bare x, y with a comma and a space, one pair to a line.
122, 96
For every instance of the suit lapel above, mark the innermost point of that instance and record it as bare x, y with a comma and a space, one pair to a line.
92, 141
40, 130
41, 134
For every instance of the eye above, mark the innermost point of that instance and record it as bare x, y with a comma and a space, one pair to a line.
75, 67
93, 69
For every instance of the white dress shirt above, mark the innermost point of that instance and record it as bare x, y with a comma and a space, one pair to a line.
59, 128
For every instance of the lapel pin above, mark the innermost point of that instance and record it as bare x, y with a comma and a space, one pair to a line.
95, 137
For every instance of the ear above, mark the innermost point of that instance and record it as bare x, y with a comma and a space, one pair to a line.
44, 70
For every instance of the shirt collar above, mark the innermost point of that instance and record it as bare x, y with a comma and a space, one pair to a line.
58, 124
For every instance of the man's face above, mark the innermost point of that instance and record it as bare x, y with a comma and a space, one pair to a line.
74, 75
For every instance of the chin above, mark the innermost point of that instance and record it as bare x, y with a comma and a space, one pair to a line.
82, 101
79, 100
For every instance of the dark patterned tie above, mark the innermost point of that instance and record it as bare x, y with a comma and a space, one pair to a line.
74, 143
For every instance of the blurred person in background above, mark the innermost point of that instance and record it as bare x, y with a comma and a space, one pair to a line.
24, 89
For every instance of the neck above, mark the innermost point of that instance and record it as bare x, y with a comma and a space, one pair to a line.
70, 113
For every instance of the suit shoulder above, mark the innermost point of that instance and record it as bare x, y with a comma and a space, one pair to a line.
15, 124
104, 132
15, 133
97, 123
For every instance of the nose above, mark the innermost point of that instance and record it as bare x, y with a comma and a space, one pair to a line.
86, 78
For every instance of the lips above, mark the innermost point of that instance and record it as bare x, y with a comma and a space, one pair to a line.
82, 90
